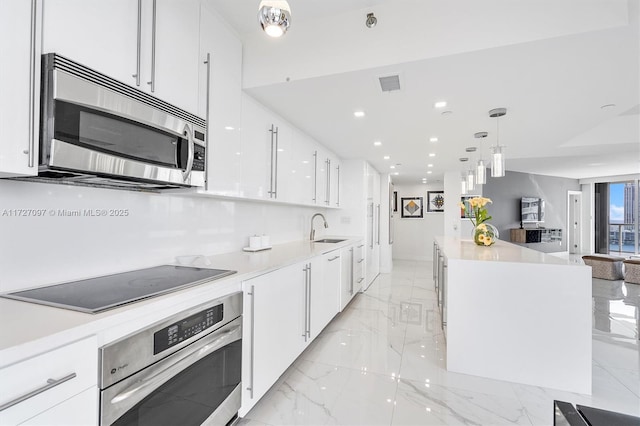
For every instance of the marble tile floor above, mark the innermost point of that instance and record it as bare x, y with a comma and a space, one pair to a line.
382, 362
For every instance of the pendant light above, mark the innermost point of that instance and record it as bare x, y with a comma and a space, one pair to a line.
274, 17
497, 152
481, 168
464, 187
471, 172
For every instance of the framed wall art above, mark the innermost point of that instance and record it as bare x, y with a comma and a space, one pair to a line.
435, 201
411, 207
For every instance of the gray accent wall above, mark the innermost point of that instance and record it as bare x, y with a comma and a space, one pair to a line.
506, 192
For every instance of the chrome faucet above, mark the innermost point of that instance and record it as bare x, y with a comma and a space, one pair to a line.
313, 231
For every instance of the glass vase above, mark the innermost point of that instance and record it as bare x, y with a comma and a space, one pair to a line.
485, 234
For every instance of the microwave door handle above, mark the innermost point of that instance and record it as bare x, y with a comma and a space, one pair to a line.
187, 172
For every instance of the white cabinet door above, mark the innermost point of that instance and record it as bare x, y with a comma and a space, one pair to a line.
104, 36
80, 410
322, 176
334, 182
373, 226
359, 271
225, 102
99, 34
283, 166
49, 379
176, 53
258, 143
274, 328
19, 87
325, 290
267, 160
303, 169
347, 275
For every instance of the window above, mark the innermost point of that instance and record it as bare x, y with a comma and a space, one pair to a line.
623, 217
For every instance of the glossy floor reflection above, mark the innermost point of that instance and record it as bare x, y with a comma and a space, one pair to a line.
382, 362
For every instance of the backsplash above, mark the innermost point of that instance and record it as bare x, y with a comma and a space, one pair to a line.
55, 233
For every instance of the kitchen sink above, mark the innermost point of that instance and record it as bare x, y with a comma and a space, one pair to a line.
328, 240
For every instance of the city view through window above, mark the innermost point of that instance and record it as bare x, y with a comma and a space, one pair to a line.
623, 217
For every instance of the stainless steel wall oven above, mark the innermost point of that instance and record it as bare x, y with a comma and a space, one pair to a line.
184, 370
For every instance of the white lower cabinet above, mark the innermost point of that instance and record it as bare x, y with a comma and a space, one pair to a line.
325, 290
52, 381
350, 273
274, 328
80, 410
284, 311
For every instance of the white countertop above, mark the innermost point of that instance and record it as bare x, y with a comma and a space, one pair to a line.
30, 329
501, 251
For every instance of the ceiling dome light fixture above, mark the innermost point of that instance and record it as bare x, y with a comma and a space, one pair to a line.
274, 17
481, 168
497, 152
371, 20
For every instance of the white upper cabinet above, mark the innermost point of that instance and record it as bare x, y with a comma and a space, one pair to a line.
174, 72
101, 35
257, 149
328, 181
303, 169
221, 87
334, 182
19, 87
149, 44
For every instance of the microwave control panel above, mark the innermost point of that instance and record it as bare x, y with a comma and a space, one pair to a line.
198, 158
186, 328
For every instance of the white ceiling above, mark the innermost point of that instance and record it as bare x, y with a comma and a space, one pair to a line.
552, 67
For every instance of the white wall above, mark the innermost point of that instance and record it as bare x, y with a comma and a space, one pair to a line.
40, 250
413, 237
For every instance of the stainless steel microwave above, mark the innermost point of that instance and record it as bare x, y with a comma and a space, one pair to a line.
98, 131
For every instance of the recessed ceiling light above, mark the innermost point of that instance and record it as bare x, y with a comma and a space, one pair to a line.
396, 173
359, 114
386, 157
228, 128
434, 139
377, 143
440, 104
429, 165
607, 106
429, 172
448, 112
432, 154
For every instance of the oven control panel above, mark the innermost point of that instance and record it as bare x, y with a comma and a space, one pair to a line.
186, 328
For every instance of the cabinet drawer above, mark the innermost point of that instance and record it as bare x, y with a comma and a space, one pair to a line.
58, 375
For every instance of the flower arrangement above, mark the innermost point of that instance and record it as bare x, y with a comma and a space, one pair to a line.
484, 234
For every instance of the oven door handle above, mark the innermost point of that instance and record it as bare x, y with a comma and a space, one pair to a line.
137, 387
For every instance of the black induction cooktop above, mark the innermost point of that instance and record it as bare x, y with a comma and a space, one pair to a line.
98, 294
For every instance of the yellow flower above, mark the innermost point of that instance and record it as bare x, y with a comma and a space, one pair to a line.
488, 241
482, 227
462, 206
481, 238
473, 202
483, 201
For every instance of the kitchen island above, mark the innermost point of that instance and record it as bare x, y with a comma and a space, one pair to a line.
515, 314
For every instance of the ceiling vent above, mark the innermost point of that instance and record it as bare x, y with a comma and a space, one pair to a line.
390, 83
